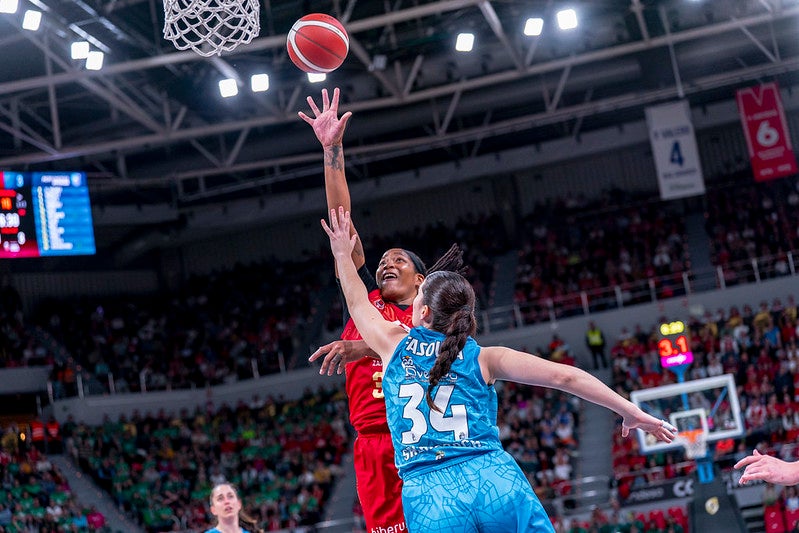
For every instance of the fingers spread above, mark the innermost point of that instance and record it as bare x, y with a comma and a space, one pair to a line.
325, 100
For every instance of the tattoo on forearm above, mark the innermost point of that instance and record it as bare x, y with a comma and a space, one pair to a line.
334, 158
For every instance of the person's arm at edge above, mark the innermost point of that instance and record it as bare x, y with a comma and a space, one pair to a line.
381, 336
498, 362
767, 468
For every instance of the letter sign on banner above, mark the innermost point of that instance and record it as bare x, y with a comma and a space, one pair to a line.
674, 150
766, 131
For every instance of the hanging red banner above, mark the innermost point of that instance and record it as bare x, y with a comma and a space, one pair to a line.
766, 130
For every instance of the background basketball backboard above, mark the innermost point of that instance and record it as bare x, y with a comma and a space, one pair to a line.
710, 403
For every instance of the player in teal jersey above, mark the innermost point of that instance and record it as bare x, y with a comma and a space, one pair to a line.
226, 507
442, 406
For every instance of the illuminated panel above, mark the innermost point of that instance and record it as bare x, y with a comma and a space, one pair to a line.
45, 214
674, 347
64, 214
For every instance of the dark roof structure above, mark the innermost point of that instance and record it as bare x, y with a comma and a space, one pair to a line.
151, 127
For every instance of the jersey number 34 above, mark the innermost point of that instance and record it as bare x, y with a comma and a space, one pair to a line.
455, 422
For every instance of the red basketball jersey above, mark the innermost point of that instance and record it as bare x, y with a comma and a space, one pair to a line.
365, 376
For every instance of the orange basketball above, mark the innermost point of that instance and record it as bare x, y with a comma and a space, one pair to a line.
317, 43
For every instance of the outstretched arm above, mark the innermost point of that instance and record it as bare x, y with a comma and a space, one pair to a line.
339, 353
768, 468
504, 363
329, 129
381, 336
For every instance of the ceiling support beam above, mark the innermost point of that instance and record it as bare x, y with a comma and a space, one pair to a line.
453, 104
496, 26
55, 122
578, 124
177, 135
638, 10
30, 139
234, 153
388, 150
766, 52
564, 77
407, 14
672, 55
479, 140
363, 56
411, 79
131, 110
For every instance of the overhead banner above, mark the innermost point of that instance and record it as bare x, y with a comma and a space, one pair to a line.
674, 150
766, 131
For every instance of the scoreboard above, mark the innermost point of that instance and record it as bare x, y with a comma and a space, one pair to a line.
674, 345
45, 214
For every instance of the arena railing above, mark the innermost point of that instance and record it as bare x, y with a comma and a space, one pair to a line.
648, 290
543, 310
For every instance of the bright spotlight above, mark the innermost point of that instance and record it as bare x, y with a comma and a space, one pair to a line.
94, 60
464, 42
9, 6
228, 87
80, 49
314, 77
533, 27
259, 83
567, 19
32, 20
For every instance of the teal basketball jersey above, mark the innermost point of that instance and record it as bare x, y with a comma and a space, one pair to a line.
425, 439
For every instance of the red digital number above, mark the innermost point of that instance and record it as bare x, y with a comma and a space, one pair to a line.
682, 343
665, 348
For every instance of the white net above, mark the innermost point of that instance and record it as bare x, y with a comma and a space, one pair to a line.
210, 27
694, 442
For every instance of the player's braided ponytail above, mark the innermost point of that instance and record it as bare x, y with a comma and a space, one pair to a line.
451, 301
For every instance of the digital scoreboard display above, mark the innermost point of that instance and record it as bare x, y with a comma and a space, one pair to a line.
45, 214
674, 345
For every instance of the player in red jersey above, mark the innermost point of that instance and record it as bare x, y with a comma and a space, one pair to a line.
391, 291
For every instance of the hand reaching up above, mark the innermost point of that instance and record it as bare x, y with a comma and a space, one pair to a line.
326, 124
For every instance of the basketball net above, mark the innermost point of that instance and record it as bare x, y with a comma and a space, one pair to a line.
695, 443
210, 27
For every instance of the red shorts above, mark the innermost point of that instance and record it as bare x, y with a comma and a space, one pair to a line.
379, 485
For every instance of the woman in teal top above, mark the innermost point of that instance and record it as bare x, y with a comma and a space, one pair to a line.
226, 507
442, 406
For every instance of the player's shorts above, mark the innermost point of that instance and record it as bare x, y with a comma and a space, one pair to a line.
486, 493
379, 485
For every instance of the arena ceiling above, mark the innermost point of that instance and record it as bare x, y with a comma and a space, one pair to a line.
151, 127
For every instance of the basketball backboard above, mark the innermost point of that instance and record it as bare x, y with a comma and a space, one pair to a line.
710, 404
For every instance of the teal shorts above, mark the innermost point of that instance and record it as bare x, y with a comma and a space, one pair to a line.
485, 493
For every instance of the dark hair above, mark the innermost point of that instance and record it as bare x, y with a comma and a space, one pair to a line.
451, 261
418, 264
245, 519
451, 301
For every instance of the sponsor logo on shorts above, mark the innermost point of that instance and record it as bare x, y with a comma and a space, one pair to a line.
396, 528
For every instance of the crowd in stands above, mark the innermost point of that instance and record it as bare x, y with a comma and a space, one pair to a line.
539, 427
746, 221
283, 455
673, 519
758, 346
34, 494
209, 333
574, 246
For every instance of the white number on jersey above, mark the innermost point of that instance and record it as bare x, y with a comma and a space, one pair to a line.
456, 422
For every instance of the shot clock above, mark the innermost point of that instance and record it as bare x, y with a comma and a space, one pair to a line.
674, 346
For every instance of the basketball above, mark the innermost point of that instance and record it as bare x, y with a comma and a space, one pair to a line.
317, 43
